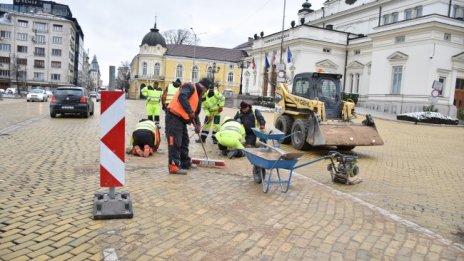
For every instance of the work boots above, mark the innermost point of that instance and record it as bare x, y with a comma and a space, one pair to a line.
231, 153
174, 169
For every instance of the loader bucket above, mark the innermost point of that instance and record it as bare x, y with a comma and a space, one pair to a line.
343, 133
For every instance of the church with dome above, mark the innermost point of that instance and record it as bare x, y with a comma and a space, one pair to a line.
159, 62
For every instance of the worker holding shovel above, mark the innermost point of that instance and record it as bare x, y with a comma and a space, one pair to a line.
184, 109
212, 104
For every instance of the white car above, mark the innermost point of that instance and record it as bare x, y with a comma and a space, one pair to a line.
37, 95
49, 94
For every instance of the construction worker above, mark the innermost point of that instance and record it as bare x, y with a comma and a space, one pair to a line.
153, 106
183, 109
145, 139
212, 104
230, 137
250, 118
169, 92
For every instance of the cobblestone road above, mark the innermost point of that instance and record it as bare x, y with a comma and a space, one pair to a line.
49, 172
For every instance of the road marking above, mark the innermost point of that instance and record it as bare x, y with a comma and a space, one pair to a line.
386, 213
109, 254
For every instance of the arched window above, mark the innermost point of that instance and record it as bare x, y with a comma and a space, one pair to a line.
144, 72
157, 69
209, 73
230, 78
179, 71
195, 74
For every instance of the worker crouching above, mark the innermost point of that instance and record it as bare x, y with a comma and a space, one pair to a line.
145, 139
250, 118
230, 137
212, 104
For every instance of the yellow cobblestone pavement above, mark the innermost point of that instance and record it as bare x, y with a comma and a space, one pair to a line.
49, 173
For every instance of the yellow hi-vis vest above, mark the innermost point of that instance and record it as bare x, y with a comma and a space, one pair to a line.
171, 91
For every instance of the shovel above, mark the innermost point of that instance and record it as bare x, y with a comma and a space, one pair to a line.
206, 162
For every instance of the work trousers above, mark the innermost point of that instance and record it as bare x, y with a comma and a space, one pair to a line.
178, 141
143, 137
214, 124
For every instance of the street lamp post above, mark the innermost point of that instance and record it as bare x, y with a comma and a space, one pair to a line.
215, 70
242, 65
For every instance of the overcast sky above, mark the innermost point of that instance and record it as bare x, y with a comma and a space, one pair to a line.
114, 29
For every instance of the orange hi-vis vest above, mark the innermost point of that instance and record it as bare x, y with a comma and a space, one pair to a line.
176, 108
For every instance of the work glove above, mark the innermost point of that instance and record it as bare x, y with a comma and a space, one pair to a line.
197, 128
220, 109
164, 107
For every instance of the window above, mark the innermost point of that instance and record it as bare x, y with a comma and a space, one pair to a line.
357, 52
418, 10
5, 34
356, 90
21, 61
4, 73
230, 78
40, 27
397, 76
458, 11
56, 64
23, 23
407, 14
351, 83
55, 77
56, 52
442, 79
38, 76
22, 49
39, 51
327, 50
4, 59
157, 69
5, 47
386, 19
231, 66
195, 73
144, 68
21, 36
22, 75
209, 73
57, 28
57, 40
459, 83
447, 37
179, 71
40, 39
395, 17
400, 39
39, 64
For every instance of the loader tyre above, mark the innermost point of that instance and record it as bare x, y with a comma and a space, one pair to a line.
345, 148
284, 124
299, 139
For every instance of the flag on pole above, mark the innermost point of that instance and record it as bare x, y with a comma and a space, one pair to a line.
266, 63
253, 64
289, 55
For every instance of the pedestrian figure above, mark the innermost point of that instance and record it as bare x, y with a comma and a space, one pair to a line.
145, 139
184, 109
212, 104
250, 118
169, 92
230, 137
153, 106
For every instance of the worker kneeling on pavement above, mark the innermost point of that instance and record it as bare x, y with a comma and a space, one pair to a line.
212, 104
145, 139
230, 137
250, 118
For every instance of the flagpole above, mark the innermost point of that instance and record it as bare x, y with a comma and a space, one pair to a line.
282, 40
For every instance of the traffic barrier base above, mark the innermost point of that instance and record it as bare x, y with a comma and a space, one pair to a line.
112, 205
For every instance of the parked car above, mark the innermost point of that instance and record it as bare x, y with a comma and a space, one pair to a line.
11, 91
95, 95
71, 100
49, 94
37, 95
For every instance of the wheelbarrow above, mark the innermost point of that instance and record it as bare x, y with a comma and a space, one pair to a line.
274, 135
269, 160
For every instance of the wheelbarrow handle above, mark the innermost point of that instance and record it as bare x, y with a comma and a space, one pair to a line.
291, 134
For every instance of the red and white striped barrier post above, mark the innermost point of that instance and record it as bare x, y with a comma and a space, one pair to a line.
112, 158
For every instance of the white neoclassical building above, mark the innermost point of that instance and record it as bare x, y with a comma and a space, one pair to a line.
389, 52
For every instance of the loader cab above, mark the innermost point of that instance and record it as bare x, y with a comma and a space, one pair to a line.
324, 87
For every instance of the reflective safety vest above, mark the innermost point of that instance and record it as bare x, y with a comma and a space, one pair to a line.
153, 95
145, 125
176, 108
213, 103
170, 93
233, 126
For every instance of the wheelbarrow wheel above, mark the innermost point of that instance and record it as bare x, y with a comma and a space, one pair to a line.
257, 174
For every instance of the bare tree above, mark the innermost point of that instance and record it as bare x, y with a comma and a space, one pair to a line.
122, 81
180, 36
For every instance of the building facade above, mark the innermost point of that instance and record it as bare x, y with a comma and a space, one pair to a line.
164, 63
95, 75
41, 45
390, 52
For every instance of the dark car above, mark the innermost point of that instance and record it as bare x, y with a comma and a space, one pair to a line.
71, 100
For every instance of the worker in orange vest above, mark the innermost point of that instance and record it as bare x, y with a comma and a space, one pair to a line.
183, 109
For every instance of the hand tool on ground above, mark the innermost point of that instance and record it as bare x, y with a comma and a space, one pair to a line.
206, 162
